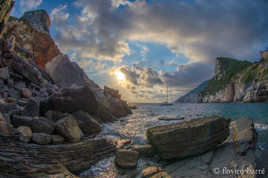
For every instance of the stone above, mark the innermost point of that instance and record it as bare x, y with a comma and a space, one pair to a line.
69, 129
126, 158
72, 100
57, 139
26, 93
4, 73
150, 171
38, 19
41, 138
25, 133
42, 125
13, 93
104, 114
87, 123
190, 138
32, 108
54, 115
11, 100
38, 125
145, 150
73, 74
6, 7
161, 175
5, 128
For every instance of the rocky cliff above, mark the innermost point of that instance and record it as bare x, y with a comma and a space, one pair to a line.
48, 120
237, 81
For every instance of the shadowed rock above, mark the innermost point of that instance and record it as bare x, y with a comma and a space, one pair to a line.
188, 138
126, 158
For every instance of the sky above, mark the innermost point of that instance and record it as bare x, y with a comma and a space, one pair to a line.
142, 46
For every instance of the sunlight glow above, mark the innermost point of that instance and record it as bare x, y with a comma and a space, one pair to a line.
120, 76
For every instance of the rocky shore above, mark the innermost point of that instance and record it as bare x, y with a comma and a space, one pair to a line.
48, 119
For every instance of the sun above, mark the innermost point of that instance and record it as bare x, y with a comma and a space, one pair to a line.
120, 76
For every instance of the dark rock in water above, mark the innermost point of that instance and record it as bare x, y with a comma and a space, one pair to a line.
57, 139
21, 121
49, 160
69, 129
87, 123
41, 138
188, 138
32, 108
4, 73
25, 134
54, 115
126, 158
73, 99
104, 114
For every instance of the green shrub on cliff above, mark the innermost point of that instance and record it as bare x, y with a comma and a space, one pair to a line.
229, 68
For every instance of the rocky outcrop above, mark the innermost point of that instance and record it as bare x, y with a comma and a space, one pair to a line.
234, 81
31, 160
189, 138
38, 19
234, 158
5, 10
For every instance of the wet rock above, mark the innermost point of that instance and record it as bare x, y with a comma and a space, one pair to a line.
57, 139
126, 158
4, 73
150, 171
72, 100
25, 133
31, 108
41, 138
161, 175
11, 100
5, 128
13, 93
145, 150
87, 123
105, 115
69, 129
188, 138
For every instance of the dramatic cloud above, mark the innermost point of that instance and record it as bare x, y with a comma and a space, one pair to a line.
29, 4
200, 30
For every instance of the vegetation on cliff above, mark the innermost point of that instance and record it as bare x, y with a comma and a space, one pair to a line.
228, 68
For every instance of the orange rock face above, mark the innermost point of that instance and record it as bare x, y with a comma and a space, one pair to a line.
38, 46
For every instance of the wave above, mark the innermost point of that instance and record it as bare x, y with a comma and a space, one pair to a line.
261, 126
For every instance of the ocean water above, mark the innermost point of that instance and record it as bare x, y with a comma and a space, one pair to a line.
147, 115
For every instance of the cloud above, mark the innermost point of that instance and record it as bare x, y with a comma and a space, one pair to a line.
29, 4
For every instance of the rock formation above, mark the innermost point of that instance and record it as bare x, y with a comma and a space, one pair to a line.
234, 81
48, 120
189, 138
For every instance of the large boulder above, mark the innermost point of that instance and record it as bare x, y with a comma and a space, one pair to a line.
87, 123
73, 74
69, 129
32, 108
126, 158
189, 138
71, 100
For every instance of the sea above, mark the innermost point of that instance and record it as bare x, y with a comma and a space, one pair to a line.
147, 115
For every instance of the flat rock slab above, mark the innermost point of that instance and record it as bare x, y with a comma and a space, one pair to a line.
126, 158
190, 138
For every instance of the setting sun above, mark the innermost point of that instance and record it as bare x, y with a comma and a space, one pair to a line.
120, 76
